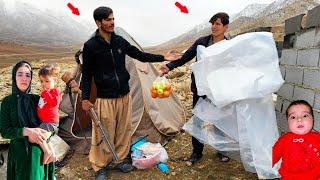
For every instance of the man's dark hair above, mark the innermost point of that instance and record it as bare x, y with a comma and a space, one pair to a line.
300, 102
101, 13
224, 17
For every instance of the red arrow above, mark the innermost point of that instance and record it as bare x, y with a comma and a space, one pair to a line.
73, 9
181, 7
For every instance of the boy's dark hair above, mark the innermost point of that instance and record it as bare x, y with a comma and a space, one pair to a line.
300, 102
101, 13
49, 70
224, 17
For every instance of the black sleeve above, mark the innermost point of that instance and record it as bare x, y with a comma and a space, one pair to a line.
135, 53
186, 57
87, 72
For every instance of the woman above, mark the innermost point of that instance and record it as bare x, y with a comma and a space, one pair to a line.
19, 122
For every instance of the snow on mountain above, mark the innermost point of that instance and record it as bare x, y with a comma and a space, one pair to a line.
249, 11
23, 23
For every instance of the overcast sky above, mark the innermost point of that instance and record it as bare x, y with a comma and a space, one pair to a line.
151, 22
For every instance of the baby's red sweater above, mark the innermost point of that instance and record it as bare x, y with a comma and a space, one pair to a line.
300, 156
48, 106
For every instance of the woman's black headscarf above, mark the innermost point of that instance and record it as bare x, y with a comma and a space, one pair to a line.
26, 107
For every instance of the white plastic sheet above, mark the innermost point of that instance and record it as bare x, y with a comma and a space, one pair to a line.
238, 77
247, 63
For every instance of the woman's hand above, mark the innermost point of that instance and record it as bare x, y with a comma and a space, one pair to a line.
35, 135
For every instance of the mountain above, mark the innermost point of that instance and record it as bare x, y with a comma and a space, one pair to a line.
249, 11
250, 17
274, 14
22, 23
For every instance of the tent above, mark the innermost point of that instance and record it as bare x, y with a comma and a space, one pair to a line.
159, 119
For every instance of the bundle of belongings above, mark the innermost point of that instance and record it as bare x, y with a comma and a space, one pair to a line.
147, 155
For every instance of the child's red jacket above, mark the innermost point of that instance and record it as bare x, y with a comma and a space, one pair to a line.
300, 156
48, 106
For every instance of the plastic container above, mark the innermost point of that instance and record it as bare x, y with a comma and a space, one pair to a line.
163, 167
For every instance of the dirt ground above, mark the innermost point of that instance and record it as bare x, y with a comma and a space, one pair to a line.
77, 166
179, 148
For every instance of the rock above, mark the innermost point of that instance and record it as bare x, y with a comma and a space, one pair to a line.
189, 163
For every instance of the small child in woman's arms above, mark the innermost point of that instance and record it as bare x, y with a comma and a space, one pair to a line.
48, 107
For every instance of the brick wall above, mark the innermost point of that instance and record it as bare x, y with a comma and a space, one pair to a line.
300, 67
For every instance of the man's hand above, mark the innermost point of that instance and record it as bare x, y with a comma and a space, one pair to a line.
86, 104
164, 69
172, 56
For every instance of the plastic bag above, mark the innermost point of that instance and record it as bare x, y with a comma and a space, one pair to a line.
148, 155
161, 88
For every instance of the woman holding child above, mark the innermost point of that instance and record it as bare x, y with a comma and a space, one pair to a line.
19, 122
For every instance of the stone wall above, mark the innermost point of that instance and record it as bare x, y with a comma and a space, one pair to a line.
299, 64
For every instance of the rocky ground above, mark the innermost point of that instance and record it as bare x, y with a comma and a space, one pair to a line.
77, 165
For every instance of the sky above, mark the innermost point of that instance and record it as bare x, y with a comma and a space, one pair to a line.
150, 22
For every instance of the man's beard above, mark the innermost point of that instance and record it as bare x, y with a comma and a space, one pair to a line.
105, 30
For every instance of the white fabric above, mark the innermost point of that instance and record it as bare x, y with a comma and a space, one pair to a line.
248, 63
238, 77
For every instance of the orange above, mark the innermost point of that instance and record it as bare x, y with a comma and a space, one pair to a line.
166, 94
154, 95
154, 91
161, 95
167, 87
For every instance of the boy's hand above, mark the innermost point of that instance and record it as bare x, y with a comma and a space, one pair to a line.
164, 69
86, 104
172, 56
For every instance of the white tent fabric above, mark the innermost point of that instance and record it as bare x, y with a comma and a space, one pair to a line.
238, 77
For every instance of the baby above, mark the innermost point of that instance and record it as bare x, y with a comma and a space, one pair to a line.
48, 107
299, 148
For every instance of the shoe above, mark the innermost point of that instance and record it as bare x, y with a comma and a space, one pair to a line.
124, 167
194, 158
101, 174
222, 157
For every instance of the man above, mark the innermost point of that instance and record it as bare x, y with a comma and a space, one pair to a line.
104, 60
219, 26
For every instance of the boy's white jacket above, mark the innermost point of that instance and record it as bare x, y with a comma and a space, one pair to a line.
244, 67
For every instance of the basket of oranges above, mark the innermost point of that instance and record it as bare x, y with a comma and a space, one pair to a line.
161, 88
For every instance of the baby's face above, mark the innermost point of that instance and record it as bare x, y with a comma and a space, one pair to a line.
47, 82
300, 120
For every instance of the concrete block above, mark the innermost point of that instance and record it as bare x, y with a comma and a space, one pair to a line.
305, 94
317, 37
305, 38
286, 91
308, 57
293, 24
282, 122
316, 120
311, 78
294, 75
289, 56
279, 104
313, 18
316, 104
288, 41
283, 71
285, 106
279, 46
